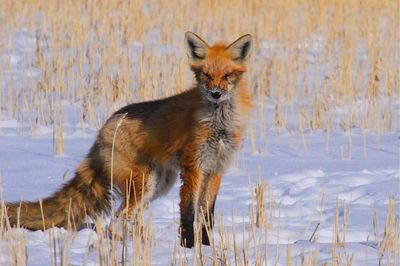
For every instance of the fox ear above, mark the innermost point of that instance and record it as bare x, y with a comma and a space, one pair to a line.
196, 47
241, 47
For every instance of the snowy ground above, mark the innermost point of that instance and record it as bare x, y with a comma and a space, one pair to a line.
306, 186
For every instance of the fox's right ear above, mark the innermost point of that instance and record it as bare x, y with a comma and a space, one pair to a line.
241, 47
196, 47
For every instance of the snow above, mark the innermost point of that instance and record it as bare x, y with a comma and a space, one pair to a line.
306, 186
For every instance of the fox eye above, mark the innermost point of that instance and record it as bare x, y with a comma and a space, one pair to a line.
205, 75
228, 76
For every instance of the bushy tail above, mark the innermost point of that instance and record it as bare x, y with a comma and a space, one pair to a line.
87, 194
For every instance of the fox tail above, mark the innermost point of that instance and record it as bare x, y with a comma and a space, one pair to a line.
87, 194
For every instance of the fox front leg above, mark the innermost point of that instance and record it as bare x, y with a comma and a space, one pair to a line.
208, 196
188, 194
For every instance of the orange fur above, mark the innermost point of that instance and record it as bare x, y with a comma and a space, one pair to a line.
145, 143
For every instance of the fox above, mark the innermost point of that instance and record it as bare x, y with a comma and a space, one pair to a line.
145, 146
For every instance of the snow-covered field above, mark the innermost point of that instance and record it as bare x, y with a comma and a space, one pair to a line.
306, 186
332, 194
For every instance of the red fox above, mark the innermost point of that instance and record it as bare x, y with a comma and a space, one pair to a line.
144, 146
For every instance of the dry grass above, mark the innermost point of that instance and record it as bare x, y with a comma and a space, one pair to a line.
333, 63
133, 242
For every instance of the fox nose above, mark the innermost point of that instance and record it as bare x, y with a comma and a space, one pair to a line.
216, 95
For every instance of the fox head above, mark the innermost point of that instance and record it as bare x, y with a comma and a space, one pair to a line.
217, 68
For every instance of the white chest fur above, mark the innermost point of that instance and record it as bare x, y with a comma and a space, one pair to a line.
216, 152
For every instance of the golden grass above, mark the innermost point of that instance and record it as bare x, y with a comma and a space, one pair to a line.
334, 63
311, 58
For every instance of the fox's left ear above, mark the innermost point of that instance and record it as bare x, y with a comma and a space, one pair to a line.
240, 48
